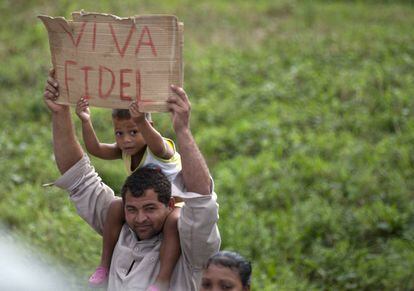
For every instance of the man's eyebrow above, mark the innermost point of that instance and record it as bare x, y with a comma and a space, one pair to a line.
144, 205
149, 204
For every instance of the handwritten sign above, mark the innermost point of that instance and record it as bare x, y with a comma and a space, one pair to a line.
113, 61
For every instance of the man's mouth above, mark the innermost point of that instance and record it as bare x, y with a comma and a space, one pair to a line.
142, 227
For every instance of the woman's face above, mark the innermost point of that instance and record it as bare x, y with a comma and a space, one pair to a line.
218, 278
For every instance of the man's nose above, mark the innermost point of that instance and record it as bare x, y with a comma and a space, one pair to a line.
140, 217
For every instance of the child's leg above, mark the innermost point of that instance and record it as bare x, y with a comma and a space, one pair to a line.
170, 250
112, 228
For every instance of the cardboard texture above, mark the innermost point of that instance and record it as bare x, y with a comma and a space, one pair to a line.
113, 61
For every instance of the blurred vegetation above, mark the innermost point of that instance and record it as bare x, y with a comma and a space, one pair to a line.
303, 109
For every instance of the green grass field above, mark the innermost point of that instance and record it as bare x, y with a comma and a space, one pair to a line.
304, 111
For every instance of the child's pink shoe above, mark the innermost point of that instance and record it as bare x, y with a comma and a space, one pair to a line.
156, 287
99, 278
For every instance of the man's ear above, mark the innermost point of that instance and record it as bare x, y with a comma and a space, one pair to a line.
171, 203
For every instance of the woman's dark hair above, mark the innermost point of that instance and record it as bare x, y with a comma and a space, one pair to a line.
233, 261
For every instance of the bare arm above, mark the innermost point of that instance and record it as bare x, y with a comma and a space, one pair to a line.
91, 197
103, 151
100, 150
152, 137
199, 235
194, 168
66, 147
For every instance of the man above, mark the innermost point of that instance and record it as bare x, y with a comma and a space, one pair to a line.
135, 261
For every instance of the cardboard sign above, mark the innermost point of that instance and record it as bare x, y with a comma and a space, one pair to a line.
113, 61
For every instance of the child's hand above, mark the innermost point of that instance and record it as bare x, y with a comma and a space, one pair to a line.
136, 115
82, 110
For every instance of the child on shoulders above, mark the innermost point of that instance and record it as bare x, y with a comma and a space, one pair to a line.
138, 144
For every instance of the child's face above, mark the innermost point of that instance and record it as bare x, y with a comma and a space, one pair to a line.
128, 136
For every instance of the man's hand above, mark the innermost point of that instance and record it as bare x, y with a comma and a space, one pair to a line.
194, 168
82, 110
136, 115
66, 147
180, 109
52, 92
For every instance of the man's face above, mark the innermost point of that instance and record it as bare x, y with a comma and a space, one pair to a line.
145, 214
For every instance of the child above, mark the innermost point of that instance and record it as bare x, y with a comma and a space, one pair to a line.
138, 144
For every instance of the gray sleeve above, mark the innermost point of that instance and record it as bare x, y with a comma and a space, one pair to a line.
199, 235
87, 191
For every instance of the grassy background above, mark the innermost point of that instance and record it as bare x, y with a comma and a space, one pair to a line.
303, 109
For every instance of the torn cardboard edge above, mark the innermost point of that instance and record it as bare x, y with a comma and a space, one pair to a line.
113, 60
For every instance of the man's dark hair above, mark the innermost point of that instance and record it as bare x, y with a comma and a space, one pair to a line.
234, 261
124, 114
146, 178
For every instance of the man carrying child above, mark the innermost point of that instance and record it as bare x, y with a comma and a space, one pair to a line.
147, 202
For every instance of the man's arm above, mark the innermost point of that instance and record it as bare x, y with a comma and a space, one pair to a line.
194, 168
66, 147
91, 197
197, 225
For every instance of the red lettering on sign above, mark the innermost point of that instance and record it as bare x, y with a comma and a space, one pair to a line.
127, 78
86, 69
128, 39
107, 93
75, 43
123, 84
145, 31
67, 79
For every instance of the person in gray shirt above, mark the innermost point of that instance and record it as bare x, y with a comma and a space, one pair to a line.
135, 261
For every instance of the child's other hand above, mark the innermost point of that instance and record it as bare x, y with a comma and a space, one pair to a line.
136, 115
82, 110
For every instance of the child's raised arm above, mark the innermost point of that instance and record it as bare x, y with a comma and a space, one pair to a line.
100, 150
153, 138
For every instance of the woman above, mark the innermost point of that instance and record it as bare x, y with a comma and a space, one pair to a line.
226, 271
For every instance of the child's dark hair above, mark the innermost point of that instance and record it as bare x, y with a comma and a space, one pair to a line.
148, 178
235, 262
124, 114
